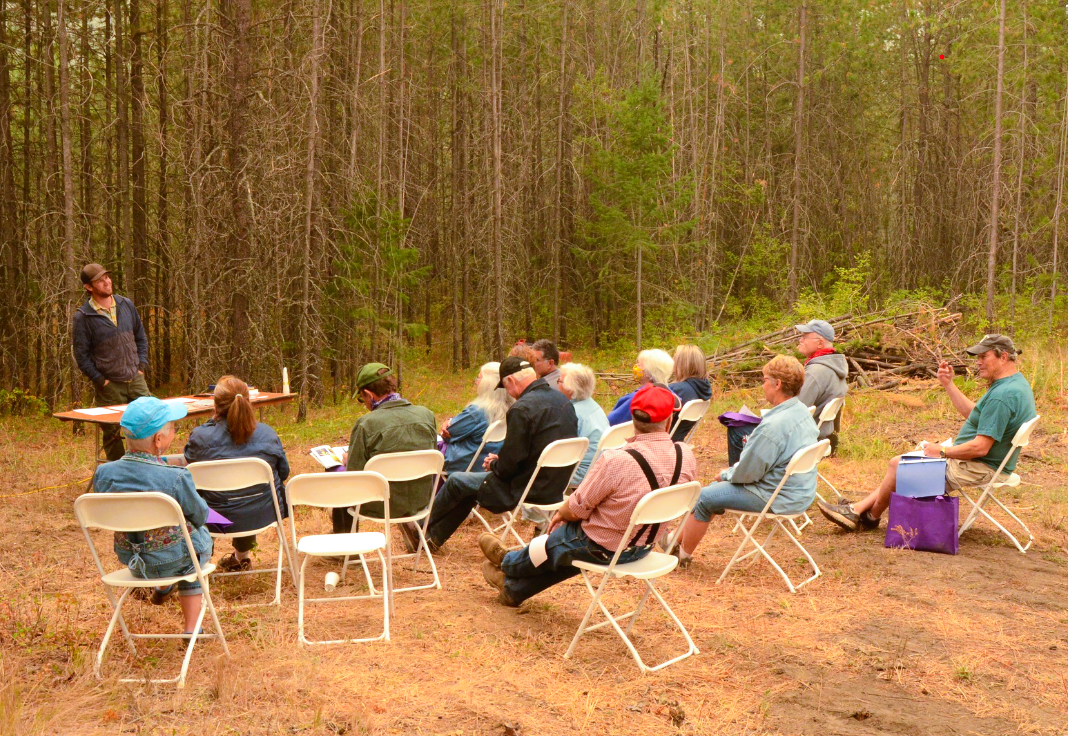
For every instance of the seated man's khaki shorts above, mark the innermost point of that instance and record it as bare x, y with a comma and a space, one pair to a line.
967, 474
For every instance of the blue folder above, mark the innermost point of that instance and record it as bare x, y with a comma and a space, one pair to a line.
921, 477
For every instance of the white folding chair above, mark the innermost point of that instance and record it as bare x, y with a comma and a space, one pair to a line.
340, 490
138, 512
558, 454
804, 460
829, 414
1019, 441
613, 439
693, 411
495, 432
397, 467
228, 476
657, 507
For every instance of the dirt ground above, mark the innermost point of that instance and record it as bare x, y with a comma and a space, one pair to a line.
885, 642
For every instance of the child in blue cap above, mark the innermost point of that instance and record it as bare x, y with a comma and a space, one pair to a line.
148, 425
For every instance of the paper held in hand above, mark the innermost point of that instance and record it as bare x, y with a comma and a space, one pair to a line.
329, 457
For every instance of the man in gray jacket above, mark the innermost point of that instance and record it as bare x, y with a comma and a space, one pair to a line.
825, 372
825, 379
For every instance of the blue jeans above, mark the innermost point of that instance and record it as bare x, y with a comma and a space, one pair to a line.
452, 504
566, 543
183, 566
721, 495
736, 439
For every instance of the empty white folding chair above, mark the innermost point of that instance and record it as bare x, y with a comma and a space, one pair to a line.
340, 490
230, 476
693, 411
613, 439
1019, 441
657, 507
558, 454
804, 460
495, 432
138, 512
398, 467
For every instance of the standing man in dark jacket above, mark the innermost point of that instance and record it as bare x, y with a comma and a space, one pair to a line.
111, 349
540, 415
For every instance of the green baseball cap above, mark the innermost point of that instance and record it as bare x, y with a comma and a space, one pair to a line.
370, 373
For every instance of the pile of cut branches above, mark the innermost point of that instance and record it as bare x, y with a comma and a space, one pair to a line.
882, 348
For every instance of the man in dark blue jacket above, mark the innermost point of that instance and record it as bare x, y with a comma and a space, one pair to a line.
540, 415
111, 349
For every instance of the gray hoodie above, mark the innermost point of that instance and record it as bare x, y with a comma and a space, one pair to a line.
825, 379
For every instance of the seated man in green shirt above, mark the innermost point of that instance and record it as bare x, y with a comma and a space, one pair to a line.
982, 443
391, 424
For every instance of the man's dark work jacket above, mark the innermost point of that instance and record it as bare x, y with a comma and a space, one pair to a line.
106, 351
539, 416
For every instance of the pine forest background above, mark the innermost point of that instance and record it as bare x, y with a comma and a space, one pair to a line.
315, 183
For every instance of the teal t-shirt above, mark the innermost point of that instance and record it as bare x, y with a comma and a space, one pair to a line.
1006, 405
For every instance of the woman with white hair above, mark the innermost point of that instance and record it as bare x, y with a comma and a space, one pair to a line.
463, 433
654, 366
577, 382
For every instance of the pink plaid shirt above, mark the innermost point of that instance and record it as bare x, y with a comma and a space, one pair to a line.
615, 483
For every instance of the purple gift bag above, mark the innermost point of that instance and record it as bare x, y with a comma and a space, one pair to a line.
927, 524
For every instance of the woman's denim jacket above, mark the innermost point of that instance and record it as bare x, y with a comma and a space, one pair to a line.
145, 552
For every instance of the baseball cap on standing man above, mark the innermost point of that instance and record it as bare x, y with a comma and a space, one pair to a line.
820, 327
92, 272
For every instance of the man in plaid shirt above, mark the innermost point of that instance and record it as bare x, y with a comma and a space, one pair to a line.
591, 523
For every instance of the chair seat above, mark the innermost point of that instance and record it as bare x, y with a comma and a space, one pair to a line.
1012, 481
125, 579
339, 545
653, 565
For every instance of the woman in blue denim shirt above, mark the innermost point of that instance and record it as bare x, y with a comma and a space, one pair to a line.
148, 425
748, 485
234, 433
463, 433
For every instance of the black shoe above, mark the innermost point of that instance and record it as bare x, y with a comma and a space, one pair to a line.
841, 514
869, 522
160, 595
231, 563
495, 577
492, 548
410, 534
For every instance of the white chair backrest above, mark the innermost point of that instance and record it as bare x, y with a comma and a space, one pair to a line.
693, 410
229, 475
806, 459
128, 512
335, 490
812, 411
401, 466
665, 504
830, 411
495, 432
1023, 434
561, 453
615, 437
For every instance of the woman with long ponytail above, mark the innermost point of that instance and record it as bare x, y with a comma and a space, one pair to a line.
234, 433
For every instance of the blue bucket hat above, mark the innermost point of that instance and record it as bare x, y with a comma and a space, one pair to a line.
148, 415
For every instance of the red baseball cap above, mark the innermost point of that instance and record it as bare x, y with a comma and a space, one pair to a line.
655, 402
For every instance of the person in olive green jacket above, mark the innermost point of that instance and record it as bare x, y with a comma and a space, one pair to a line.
392, 424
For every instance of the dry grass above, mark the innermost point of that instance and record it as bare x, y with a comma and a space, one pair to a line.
886, 642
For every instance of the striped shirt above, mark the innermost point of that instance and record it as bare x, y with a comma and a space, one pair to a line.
615, 483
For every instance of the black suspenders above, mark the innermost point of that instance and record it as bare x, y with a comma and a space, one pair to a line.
654, 529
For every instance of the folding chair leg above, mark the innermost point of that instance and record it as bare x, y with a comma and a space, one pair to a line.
819, 477
116, 617
475, 515
978, 507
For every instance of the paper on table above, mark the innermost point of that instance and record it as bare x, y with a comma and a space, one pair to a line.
536, 550
180, 400
97, 411
119, 407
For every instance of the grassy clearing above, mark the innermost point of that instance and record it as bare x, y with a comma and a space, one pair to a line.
886, 642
